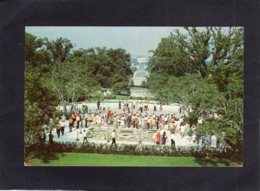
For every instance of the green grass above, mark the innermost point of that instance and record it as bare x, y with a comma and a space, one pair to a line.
87, 159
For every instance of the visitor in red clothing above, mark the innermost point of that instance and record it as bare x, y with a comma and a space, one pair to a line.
158, 137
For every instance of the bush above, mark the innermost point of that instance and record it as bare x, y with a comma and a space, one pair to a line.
46, 152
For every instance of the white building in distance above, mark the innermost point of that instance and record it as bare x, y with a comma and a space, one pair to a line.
142, 60
139, 77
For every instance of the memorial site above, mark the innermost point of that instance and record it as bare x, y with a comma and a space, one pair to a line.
134, 96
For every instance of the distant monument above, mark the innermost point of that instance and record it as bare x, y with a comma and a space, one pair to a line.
140, 74
139, 77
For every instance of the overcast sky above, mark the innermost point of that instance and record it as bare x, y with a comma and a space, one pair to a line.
135, 40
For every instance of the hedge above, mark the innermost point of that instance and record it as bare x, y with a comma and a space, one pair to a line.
123, 149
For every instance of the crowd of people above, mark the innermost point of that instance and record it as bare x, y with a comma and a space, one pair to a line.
130, 114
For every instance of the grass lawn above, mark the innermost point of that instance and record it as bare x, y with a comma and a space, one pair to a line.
87, 159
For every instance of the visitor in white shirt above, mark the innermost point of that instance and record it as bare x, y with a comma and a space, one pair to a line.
213, 140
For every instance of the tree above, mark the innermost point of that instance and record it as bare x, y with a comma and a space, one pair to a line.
70, 80
121, 87
108, 66
39, 101
143, 84
60, 49
188, 52
207, 80
169, 59
32, 44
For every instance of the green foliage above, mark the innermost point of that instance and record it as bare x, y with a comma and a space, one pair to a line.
39, 101
181, 53
55, 73
203, 71
124, 149
143, 84
121, 88
71, 80
60, 49
108, 66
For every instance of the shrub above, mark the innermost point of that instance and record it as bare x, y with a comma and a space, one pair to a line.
46, 152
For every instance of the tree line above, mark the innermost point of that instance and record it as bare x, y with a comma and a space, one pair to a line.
55, 72
202, 69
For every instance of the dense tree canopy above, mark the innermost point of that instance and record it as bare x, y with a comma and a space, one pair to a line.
202, 69
189, 52
56, 72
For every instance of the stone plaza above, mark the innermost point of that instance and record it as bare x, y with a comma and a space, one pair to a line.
124, 135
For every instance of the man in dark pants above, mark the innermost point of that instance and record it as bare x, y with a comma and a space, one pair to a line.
172, 141
51, 142
85, 140
63, 127
58, 131
86, 122
129, 118
119, 106
113, 135
98, 105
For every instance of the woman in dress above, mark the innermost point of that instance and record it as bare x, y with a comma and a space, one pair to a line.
164, 137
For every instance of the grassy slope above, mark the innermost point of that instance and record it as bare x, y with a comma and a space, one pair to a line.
85, 159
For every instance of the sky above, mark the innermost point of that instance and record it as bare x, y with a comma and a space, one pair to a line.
135, 40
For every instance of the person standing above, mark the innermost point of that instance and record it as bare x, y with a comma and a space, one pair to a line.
154, 107
158, 137
98, 104
122, 121
85, 109
98, 118
172, 141
51, 142
42, 136
85, 140
103, 107
190, 133
113, 135
86, 120
102, 120
129, 119
78, 120
164, 137
63, 127
109, 116
58, 129
71, 123
213, 140
157, 122
137, 121
119, 104
183, 129
133, 120
141, 108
